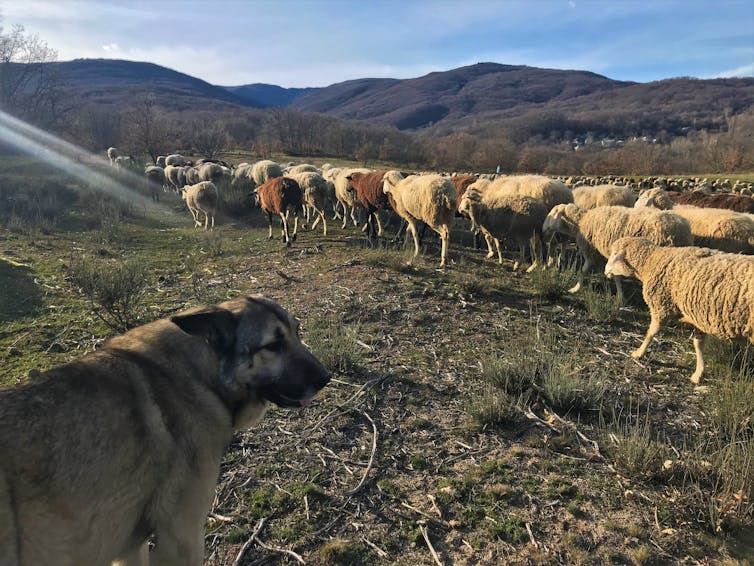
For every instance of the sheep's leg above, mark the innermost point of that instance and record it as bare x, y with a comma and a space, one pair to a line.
699, 339
353, 217
269, 223
584, 269
619, 288
284, 220
379, 224
536, 246
654, 328
412, 228
336, 213
345, 216
445, 237
295, 225
320, 214
497, 246
213, 220
490, 251
324, 223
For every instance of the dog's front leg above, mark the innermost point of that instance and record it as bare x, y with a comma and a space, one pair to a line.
138, 557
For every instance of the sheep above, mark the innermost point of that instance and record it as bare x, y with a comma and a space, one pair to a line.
176, 176
214, 172
241, 178
201, 199
281, 195
500, 215
711, 290
315, 195
603, 195
161, 161
302, 168
430, 198
155, 180
329, 174
344, 196
192, 175
595, 230
367, 189
177, 159
463, 182
112, 155
549, 191
124, 162
263, 171
717, 228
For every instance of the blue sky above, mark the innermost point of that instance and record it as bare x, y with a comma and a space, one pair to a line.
320, 42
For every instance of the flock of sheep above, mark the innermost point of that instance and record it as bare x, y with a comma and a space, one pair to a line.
693, 250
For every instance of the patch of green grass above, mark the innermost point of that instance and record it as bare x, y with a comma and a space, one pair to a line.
334, 344
494, 409
512, 530
637, 454
343, 552
600, 305
551, 284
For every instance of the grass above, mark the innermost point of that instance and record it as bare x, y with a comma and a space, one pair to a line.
472, 344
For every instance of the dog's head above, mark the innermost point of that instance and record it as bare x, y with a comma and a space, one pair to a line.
261, 354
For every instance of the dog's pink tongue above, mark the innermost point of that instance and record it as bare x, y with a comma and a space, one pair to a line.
306, 402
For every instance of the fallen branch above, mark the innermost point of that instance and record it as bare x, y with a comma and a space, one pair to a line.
355, 490
423, 530
381, 553
249, 542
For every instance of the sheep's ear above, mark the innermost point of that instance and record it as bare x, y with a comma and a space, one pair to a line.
349, 178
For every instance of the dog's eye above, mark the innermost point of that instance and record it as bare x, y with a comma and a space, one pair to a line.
274, 347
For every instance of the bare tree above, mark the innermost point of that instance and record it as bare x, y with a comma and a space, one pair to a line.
147, 128
30, 86
209, 137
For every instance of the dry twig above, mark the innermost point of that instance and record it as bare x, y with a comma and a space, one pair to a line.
355, 490
423, 530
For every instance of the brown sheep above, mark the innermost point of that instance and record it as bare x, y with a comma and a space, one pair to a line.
282, 195
367, 189
461, 183
739, 203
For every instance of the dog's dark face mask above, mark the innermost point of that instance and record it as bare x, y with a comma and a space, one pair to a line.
260, 351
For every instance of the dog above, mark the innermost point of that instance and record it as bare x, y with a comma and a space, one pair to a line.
125, 444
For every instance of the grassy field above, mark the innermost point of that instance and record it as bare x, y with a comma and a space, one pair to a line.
492, 417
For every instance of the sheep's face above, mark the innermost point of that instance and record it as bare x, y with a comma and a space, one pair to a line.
556, 223
617, 266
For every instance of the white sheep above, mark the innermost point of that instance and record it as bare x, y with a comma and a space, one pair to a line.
177, 159
718, 228
263, 171
429, 198
549, 191
176, 176
597, 229
329, 174
345, 197
708, 289
214, 172
192, 175
124, 162
500, 215
315, 194
201, 198
155, 180
112, 155
301, 168
603, 195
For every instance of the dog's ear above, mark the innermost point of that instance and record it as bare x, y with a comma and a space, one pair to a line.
217, 327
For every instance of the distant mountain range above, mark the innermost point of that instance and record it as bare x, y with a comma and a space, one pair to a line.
472, 98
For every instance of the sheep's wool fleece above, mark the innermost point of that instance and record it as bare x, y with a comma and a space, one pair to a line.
549, 191
600, 227
603, 195
510, 216
712, 290
430, 198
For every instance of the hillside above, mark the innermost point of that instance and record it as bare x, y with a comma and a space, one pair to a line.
112, 81
268, 96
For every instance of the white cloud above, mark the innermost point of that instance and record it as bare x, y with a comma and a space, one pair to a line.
744, 71
111, 47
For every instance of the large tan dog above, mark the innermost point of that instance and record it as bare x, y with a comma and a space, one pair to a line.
99, 454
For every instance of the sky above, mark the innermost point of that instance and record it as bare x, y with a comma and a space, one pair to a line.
301, 43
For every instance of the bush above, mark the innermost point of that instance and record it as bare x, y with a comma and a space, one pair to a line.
114, 288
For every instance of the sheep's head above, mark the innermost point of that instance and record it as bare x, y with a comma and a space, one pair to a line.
391, 179
655, 198
559, 222
469, 199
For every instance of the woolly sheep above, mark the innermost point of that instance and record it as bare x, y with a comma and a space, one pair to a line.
281, 195
718, 228
155, 180
430, 198
303, 168
192, 175
242, 178
201, 199
711, 290
344, 196
161, 161
214, 172
597, 229
177, 159
500, 215
112, 155
329, 174
176, 176
263, 171
367, 190
549, 191
603, 195
124, 162
315, 194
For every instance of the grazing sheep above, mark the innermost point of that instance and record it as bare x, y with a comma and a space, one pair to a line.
329, 174
345, 197
177, 159
161, 161
192, 175
281, 195
176, 177
500, 215
708, 289
125, 162
597, 229
717, 228
303, 168
431, 199
263, 171
201, 199
367, 189
214, 172
112, 155
739, 203
462, 183
316, 194
549, 191
155, 180
241, 178
603, 195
